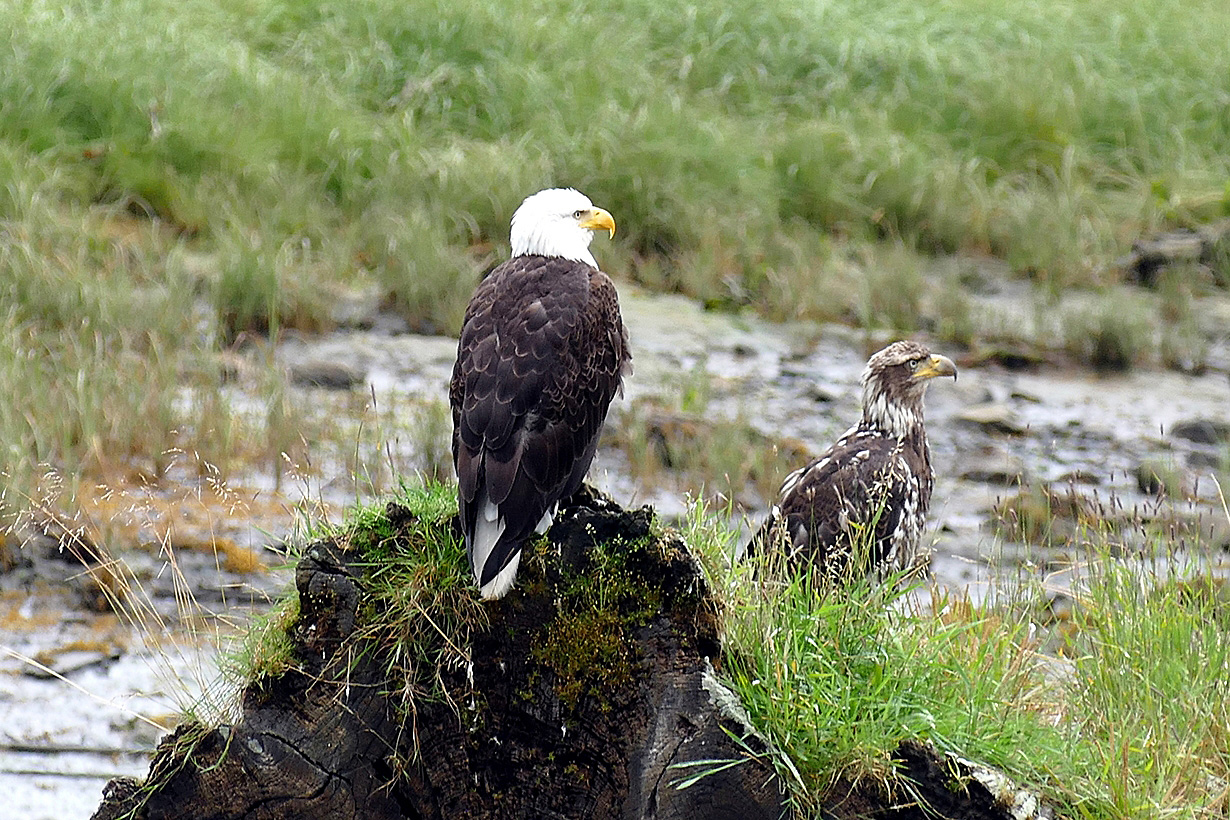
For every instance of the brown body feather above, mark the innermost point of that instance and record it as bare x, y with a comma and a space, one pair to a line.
541, 355
868, 494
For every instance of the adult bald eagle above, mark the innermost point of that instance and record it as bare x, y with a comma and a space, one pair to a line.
868, 493
543, 351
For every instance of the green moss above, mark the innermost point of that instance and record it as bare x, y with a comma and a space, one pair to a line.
268, 649
589, 646
589, 654
368, 530
427, 509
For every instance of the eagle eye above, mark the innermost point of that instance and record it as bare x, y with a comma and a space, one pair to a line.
914, 363
578, 214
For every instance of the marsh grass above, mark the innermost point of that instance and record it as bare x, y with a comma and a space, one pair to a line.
260, 291
1183, 345
364, 445
95, 342
1151, 663
891, 290
1113, 333
1077, 519
753, 156
934, 127
1128, 723
132, 546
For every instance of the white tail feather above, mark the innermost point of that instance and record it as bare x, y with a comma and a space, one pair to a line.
488, 527
490, 512
544, 523
499, 586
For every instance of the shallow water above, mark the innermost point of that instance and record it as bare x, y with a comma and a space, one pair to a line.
63, 739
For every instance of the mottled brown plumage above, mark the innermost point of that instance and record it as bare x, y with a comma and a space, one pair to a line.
869, 493
542, 353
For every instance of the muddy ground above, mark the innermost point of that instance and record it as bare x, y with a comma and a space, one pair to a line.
1004, 422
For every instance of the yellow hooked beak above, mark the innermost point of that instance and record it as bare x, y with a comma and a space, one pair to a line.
597, 218
937, 365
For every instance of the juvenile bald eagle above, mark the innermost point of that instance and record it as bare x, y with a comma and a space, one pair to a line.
869, 492
543, 351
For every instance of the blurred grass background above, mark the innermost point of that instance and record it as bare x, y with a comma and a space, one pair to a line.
175, 177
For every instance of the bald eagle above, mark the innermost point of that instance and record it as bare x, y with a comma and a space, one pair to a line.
543, 351
868, 494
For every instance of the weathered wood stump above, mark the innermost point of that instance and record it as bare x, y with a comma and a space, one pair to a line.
587, 693
312, 743
928, 786
559, 715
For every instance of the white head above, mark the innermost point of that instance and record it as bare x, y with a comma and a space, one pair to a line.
558, 222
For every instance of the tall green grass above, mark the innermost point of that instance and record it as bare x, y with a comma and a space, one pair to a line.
94, 343
1150, 690
751, 152
1049, 133
1128, 722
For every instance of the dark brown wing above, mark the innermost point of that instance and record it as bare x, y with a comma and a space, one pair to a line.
851, 498
541, 356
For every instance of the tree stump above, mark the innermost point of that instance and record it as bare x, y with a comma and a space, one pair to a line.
588, 692
562, 713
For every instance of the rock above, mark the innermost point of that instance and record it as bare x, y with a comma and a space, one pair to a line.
1011, 355
356, 309
1206, 460
232, 366
971, 392
64, 663
980, 280
1080, 476
11, 555
1149, 256
1202, 431
329, 375
1202, 249
61, 551
997, 467
1044, 515
996, 417
822, 393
